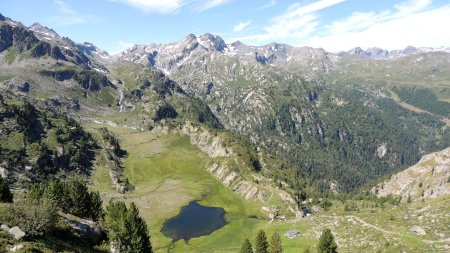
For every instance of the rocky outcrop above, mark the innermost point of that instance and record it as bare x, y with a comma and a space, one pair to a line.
238, 184
205, 141
17, 84
113, 154
249, 189
17, 248
86, 229
429, 178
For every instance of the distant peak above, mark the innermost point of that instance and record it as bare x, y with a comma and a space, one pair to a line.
210, 41
190, 36
356, 49
2, 18
88, 44
36, 27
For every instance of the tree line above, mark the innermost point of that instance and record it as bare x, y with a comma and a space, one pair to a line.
37, 213
326, 243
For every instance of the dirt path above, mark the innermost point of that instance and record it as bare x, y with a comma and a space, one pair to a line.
366, 224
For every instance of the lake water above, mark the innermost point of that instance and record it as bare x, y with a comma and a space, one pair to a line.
194, 220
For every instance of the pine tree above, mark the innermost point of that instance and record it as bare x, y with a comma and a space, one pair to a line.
80, 199
115, 224
35, 194
96, 209
127, 231
326, 242
246, 247
275, 244
54, 192
261, 243
139, 238
5, 192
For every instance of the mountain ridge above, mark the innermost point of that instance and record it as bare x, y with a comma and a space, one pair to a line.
278, 96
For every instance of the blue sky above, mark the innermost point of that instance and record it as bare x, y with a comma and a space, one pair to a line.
334, 25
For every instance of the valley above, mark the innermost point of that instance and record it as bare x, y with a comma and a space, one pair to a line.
167, 173
275, 138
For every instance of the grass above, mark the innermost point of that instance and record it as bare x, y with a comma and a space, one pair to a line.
168, 172
10, 55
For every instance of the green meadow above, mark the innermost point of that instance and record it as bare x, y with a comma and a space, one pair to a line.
168, 172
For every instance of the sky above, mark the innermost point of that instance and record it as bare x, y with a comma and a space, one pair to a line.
335, 25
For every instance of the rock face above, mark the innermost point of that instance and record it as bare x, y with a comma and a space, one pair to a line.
207, 143
17, 84
232, 178
429, 178
234, 181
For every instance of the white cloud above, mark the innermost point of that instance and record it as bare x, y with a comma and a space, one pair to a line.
268, 5
65, 8
120, 47
163, 6
170, 6
298, 22
241, 26
206, 5
68, 16
411, 22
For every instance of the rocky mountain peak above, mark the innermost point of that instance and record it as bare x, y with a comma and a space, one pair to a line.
377, 52
410, 50
190, 37
237, 43
2, 18
91, 49
43, 30
212, 42
358, 52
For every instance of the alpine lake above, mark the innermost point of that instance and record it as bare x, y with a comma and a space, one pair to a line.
194, 220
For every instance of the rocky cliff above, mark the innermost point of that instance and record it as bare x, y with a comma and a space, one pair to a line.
429, 178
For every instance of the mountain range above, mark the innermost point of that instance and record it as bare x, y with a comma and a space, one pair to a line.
273, 130
299, 102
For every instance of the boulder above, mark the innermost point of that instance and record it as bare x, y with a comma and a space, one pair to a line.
418, 230
4, 228
17, 233
3, 172
17, 247
86, 229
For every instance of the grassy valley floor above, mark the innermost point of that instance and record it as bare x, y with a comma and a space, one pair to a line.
168, 172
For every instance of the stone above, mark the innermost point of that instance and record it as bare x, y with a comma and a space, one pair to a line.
3, 172
86, 229
17, 233
418, 230
17, 247
4, 228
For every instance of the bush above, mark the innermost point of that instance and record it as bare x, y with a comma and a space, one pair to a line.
72, 197
325, 204
35, 219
